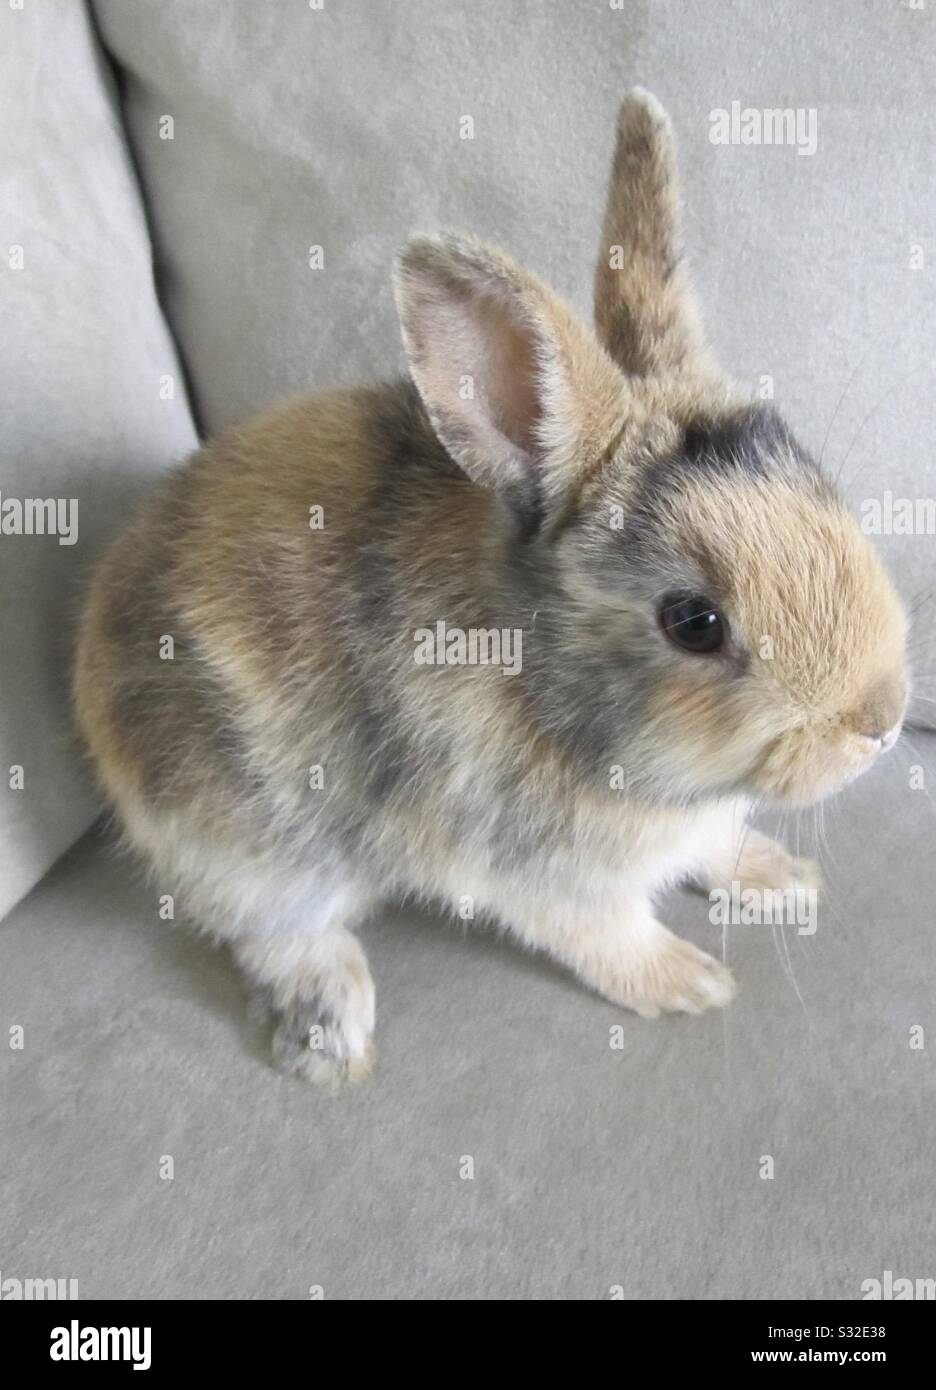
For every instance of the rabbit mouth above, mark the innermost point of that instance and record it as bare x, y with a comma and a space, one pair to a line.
801, 772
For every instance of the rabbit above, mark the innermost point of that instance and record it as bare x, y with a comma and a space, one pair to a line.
702, 626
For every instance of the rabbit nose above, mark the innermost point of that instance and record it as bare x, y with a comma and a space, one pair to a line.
884, 740
880, 716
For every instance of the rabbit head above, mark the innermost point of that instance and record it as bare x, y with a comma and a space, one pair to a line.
699, 609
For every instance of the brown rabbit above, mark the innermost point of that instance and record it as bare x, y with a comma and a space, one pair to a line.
697, 625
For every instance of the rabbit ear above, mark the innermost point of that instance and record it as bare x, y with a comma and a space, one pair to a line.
520, 393
645, 313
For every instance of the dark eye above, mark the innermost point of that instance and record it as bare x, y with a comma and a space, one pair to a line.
692, 622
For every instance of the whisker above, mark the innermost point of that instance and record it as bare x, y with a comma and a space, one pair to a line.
748, 826
791, 973
912, 748
841, 400
922, 593
885, 395
668, 627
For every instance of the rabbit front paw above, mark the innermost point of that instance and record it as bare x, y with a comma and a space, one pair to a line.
761, 863
668, 976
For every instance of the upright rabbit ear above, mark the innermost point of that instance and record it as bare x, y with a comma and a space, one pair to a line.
645, 313
520, 393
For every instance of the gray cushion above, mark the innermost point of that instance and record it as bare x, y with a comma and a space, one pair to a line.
594, 1166
340, 127
82, 354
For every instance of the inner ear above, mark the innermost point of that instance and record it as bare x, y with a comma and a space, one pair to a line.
500, 359
519, 393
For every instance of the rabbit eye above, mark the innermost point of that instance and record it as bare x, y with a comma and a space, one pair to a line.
692, 622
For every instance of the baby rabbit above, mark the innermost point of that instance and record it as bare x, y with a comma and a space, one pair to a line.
702, 627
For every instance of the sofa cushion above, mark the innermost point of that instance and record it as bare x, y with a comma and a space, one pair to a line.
345, 126
608, 1152
94, 401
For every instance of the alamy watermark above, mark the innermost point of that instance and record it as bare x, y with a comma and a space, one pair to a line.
40, 516
747, 125
738, 906
77, 1343
888, 515
897, 1289
473, 646
37, 1290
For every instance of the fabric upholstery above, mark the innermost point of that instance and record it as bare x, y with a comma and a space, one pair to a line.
87, 366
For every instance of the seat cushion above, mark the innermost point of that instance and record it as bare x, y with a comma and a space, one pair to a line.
782, 1149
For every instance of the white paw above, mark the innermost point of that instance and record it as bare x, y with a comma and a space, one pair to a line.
677, 978
760, 863
327, 1063
767, 865
327, 1041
